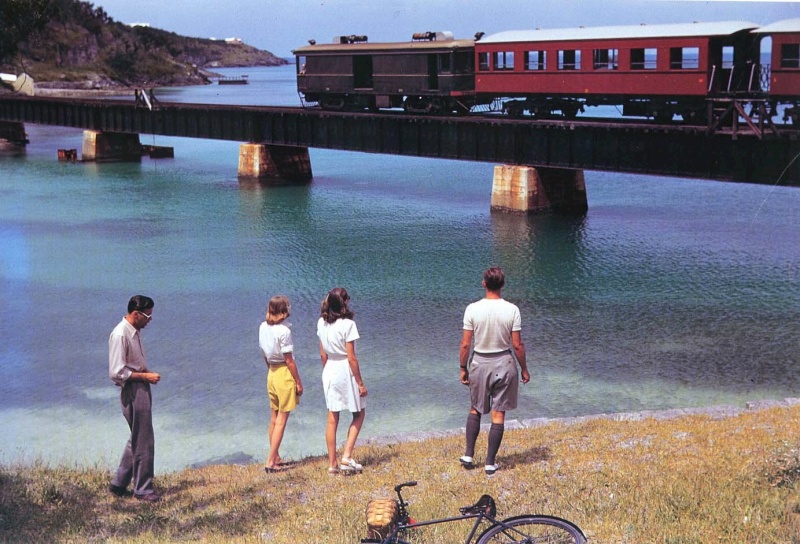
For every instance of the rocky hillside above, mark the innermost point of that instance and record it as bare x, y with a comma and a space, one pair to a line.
82, 47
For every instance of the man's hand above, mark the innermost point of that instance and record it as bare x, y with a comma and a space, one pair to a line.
464, 376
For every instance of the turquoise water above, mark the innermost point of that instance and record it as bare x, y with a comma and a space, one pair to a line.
668, 293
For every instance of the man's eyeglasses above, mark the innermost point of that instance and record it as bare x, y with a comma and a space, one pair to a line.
148, 316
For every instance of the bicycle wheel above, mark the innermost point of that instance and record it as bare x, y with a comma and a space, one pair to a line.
533, 530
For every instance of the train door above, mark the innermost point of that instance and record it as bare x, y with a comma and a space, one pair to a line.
433, 72
362, 72
733, 65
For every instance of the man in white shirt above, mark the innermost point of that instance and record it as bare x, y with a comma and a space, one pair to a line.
491, 331
127, 368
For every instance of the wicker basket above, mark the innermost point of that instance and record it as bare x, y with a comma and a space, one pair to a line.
382, 516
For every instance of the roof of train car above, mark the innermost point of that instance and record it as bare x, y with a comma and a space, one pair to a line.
723, 28
778, 27
365, 47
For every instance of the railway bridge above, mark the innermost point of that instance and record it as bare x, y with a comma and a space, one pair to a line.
540, 163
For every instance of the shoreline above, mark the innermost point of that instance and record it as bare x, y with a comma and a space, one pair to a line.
718, 412
714, 412
48, 92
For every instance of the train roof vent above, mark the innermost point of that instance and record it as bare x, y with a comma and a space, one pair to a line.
353, 38
444, 36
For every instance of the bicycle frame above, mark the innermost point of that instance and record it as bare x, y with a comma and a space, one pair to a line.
406, 523
482, 511
480, 517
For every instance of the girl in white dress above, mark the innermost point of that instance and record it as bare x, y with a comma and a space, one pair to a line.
341, 377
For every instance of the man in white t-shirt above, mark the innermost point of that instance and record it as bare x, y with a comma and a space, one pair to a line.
491, 332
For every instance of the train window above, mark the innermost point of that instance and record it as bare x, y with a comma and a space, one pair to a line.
790, 55
362, 71
645, 58
684, 58
301, 64
483, 62
727, 57
444, 63
463, 63
503, 60
569, 59
606, 59
536, 60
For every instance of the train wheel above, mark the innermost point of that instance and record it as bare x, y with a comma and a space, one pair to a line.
541, 112
694, 117
570, 112
663, 117
461, 109
514, 109
334, 103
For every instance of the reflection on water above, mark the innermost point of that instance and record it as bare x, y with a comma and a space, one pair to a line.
668, 293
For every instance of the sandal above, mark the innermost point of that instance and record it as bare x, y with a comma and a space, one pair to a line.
332, 471
350, 465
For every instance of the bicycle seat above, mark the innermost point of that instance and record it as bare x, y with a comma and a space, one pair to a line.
484, 505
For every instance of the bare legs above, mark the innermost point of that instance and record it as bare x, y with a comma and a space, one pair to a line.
277, 425
350, 442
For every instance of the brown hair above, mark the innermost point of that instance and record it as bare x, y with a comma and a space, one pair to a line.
335, 305
278, 309
494, 278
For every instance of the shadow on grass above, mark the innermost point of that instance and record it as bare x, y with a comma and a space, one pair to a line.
51, 505
536, 454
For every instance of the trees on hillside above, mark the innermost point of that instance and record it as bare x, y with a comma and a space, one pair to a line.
20, 20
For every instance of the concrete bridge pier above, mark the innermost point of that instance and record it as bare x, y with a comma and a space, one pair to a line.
527, 189
110, 146
274, 164
12, 135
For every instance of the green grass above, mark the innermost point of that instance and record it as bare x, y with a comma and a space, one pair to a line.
688, 480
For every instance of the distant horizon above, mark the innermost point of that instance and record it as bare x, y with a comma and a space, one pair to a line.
280, 27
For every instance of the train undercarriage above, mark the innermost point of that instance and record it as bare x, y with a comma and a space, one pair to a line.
434, 105
723, 114
716, 114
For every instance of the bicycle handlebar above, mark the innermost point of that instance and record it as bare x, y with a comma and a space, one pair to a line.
398, 487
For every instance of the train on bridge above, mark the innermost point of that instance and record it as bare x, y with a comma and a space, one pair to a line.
698, 72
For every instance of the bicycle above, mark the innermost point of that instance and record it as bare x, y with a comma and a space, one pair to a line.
525, 529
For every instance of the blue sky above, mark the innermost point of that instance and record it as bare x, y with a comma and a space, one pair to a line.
282, 25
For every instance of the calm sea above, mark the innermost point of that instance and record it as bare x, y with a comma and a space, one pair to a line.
668, 293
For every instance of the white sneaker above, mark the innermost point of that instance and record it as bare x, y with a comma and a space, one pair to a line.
350, 464
491, 469
466, 461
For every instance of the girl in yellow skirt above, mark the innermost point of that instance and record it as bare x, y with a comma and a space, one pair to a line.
283, 380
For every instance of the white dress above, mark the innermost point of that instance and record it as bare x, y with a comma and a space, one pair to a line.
338, 382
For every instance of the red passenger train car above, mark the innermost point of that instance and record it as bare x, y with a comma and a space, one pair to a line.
649, 70
782, 40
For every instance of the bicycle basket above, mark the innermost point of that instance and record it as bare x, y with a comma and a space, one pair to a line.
485, 504
382, 516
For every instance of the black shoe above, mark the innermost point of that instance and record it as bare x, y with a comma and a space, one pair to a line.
467, 462
149, 497
117, 490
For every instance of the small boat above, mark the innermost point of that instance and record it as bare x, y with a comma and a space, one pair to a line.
232, 80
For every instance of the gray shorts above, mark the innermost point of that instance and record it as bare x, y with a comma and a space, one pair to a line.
493, 382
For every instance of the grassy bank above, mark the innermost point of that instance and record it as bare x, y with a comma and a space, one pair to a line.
692, 479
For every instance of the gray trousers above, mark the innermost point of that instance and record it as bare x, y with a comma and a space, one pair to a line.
137, 463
